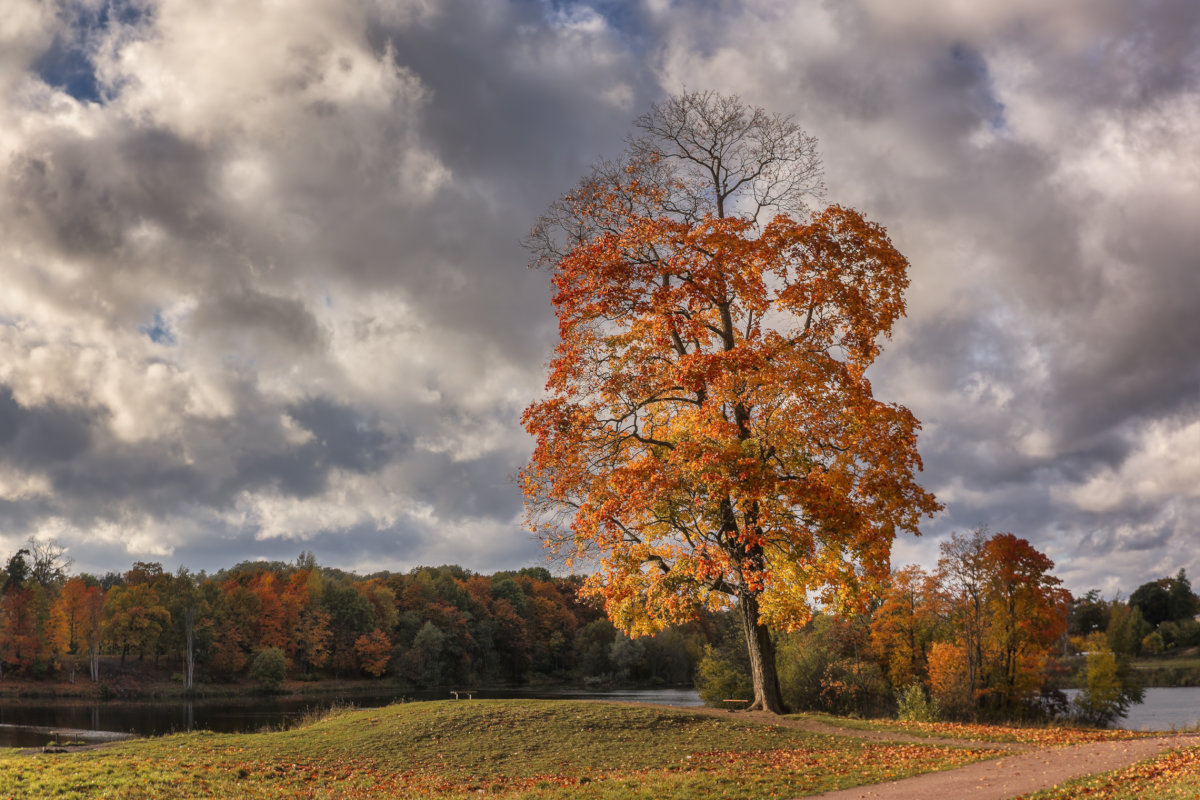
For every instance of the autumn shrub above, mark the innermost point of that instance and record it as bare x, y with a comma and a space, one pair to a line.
803, 663
855, 687
825, 667
914, 705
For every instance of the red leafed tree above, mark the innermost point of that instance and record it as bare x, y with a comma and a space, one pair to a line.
1008, 609
374, 651
709, 436
1029, 614
21, 642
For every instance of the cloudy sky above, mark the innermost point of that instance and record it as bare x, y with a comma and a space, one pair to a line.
262, 290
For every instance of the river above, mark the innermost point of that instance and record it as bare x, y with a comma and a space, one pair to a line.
1165, 709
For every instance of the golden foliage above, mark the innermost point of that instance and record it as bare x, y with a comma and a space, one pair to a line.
708, 427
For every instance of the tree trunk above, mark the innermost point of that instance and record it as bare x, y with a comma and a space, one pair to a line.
767, 696
189, 659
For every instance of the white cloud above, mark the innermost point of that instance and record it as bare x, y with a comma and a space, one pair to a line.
1164, 466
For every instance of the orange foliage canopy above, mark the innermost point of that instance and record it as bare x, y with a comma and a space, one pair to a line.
906, 625
708, 429
1028, 614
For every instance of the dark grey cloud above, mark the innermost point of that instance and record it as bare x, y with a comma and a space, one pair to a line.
285, 322
42, 436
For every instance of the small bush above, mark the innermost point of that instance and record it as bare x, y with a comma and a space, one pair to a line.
1107, 688
269, 667
718, 680
915, 706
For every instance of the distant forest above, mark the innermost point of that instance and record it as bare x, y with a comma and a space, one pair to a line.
432, 626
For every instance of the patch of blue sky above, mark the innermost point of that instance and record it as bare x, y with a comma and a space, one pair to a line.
623, 16
69, 62
619, 14
159, 331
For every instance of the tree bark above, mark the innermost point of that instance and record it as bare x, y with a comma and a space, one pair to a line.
767, 696
189, 658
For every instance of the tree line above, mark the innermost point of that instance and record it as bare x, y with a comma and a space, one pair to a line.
427, 627
989, 633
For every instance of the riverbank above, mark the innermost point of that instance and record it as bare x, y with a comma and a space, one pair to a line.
119, 686
137, 681
1171, 669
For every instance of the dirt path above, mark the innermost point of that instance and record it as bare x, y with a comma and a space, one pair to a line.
1027, 769
1017, 774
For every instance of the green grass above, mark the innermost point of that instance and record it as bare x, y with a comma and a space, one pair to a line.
1188, 659
1174, 775
510, 749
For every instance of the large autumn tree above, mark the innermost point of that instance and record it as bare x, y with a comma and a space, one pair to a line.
709, 436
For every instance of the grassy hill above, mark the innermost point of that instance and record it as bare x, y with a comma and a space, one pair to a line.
519, 748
